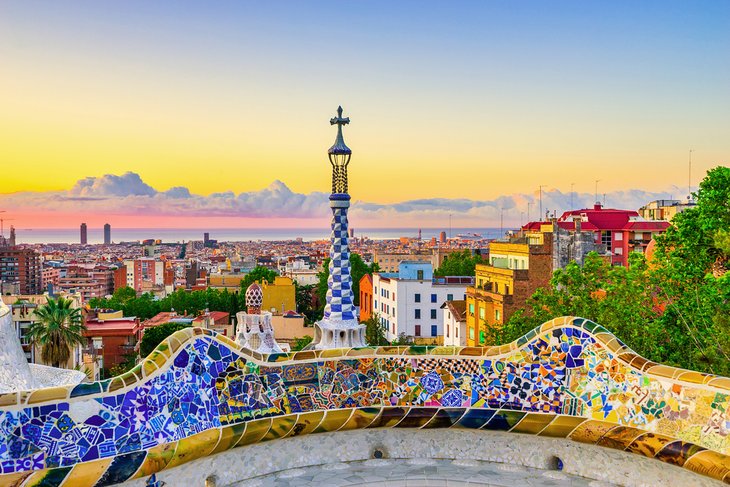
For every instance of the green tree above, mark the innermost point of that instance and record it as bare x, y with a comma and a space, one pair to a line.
672, 310
458, 263
403, 339
300, 343
374, 331
304, 298
58, 328
260, 274
155, 335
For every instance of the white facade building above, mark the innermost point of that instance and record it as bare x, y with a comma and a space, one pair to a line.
409, 301
454, 323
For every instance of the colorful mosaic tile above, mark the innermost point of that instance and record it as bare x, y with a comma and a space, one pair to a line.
198, 394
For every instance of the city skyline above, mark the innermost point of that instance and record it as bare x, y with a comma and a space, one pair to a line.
233, 98
126, 201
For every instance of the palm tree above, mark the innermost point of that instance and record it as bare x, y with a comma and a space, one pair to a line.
58, 328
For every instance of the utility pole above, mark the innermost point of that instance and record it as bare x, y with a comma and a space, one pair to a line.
689, 177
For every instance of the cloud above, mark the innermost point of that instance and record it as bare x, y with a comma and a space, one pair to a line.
128, 184
128, 194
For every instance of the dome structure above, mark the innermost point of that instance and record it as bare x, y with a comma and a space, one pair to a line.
254, 297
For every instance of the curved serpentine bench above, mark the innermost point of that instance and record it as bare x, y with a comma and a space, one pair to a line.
199, 394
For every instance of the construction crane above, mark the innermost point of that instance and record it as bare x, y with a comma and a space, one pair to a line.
2, 224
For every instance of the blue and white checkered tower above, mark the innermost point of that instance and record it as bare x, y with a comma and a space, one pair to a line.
339, 327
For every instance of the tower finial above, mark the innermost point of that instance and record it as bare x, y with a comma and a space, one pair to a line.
339, 155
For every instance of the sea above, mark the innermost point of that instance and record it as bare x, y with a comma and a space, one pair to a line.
174, 235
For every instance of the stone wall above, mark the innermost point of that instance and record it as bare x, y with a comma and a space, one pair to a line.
199, 394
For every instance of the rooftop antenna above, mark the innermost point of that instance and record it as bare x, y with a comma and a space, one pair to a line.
571, 195
528, 211
604, 199
449, 225
689, 177
595, 194
501, 222
541, 186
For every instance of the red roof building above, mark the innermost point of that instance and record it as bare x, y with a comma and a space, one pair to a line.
621, 231
113, 338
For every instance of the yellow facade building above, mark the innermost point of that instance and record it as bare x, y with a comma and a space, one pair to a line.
279, 296
515, 270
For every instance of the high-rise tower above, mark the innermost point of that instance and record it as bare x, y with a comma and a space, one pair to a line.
84, 238
339, 327
107, 234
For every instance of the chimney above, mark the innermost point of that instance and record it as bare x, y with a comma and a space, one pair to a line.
597, 206
577, 221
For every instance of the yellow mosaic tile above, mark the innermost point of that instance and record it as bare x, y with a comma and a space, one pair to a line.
649, 444
9, 399
720, 382
158, 457
664, 371
591, 431
38, 478
710, 463
562, 426
444, 351
196, 446
333, 352
255, 430
620, 437
306, 423
116, 384
230, 435
471, 352
280, 427
49, 394
361, 418
693, 377
305, 355
87, 473
148, 368
15, 479
533, 423
333, 420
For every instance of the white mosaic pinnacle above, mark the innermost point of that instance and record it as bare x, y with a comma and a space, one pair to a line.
15, 372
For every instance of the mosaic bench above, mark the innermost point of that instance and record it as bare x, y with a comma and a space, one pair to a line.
199, 394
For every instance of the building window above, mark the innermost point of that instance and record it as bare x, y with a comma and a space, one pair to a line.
449, 297
618, 251
418, 314
471, 309
482, 337
497, 315
434, 330
606, 239
419, 274
418, 330
417, 298
433, 314
506, 289
433, 298
481, 313
471, 333
447, 331
618, 236
456, 329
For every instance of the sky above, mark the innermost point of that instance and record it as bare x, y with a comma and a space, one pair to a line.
449, 101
